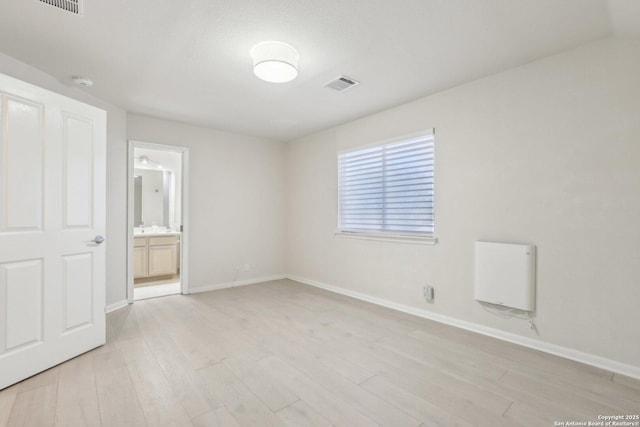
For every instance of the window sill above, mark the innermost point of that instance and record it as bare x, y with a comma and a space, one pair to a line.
395, 238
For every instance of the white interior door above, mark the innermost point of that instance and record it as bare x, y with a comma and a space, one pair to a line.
52, 207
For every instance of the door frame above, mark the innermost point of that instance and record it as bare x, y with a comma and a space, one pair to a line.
184, 238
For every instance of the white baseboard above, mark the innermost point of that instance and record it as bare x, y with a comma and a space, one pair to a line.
116, 306
234, 284
557, 350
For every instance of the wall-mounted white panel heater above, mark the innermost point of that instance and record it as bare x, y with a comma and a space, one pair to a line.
505, 274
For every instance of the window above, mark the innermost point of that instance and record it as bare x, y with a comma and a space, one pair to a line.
387, 190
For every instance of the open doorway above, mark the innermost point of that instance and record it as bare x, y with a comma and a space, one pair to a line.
157, 211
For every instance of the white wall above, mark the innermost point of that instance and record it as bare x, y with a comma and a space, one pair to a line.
116, 237
548, 154
237, 200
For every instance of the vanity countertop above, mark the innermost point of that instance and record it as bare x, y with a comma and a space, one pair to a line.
156, 234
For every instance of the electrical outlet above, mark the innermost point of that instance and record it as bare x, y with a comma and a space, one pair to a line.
247, 267
428, 292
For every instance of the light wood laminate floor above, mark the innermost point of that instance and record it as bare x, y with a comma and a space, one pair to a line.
285, 354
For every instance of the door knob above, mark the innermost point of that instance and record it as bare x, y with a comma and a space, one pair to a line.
99, 239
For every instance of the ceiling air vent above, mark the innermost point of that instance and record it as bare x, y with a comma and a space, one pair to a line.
72, 6
342, 83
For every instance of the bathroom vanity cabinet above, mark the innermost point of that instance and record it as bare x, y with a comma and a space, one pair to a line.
155, 255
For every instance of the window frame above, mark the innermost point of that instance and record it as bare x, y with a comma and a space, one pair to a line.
387, 236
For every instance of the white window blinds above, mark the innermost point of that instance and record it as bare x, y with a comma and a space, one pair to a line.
388, 188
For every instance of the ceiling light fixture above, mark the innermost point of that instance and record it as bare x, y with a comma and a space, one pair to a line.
275, 62
146, 163
82, 81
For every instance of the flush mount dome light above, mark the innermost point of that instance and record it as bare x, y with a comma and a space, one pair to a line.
275, 62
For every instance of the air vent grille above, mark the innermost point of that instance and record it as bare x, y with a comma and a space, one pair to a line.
72, 6
342, 83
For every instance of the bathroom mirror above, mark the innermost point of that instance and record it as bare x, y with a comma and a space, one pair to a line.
152, 191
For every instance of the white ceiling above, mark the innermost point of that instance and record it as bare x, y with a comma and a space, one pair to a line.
189, 60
